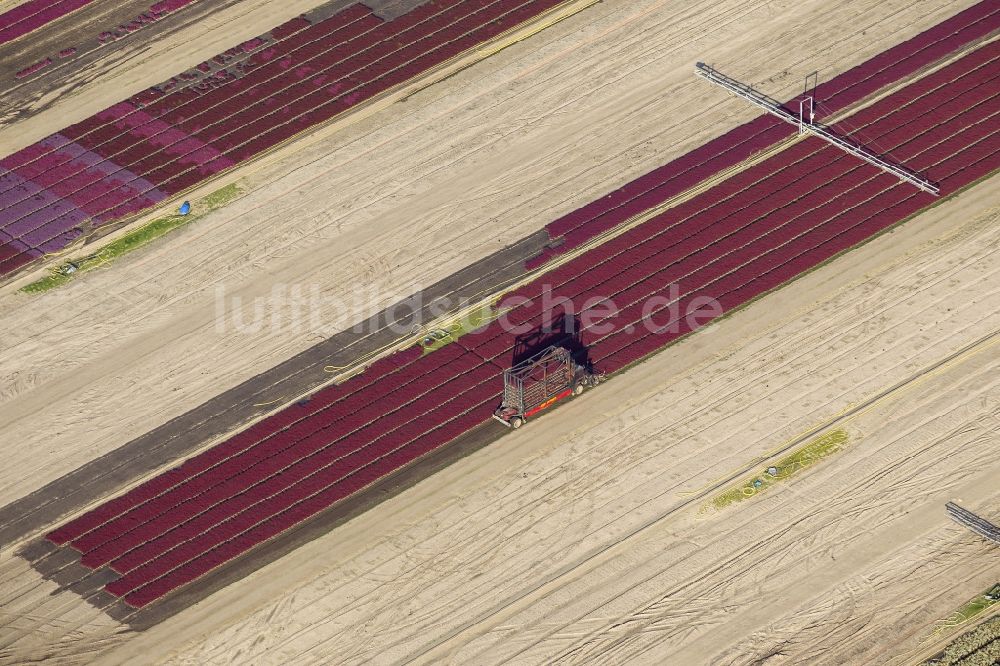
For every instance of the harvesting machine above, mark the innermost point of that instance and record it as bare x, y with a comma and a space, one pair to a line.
539, 382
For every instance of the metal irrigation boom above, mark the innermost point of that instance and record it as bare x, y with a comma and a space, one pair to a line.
809, 125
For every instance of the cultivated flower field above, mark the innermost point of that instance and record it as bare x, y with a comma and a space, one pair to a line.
731, 148
753, 232
170, 138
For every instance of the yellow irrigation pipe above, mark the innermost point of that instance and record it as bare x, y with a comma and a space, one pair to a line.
447, 320
942, 635
270, 402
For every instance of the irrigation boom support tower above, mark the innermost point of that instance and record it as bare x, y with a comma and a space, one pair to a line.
808, 124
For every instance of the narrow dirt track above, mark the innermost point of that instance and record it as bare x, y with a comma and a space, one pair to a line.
139, 344
538, 548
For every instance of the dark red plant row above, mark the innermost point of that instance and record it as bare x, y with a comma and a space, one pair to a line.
96, 132
155, 13
238, 513
34, 14
896, 63
285, 453
398, 366
33, 69
969, 83
674, 177
22, 162
976, 147
279, 523
723, 271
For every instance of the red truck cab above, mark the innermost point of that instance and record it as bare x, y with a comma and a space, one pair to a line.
539, 382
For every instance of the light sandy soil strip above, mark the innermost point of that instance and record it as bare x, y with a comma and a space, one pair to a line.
840, 568
28, 602
580, 536
399, 201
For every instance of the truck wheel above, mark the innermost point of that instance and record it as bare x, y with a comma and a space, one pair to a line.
516, 422
578, 389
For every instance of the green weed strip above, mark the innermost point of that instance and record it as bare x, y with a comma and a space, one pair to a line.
978, 646
784, 469
133, 240
472, 320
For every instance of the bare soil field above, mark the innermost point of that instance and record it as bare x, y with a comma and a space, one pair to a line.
589, 536
395, 202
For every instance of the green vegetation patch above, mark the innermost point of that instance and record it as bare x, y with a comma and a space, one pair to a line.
133, 240
785, 468
472, 320
980, 645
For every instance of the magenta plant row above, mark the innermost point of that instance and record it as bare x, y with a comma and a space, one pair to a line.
131, 202
165, 163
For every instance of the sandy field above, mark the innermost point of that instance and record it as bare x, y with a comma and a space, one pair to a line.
40, 621
397, 201
588, 537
